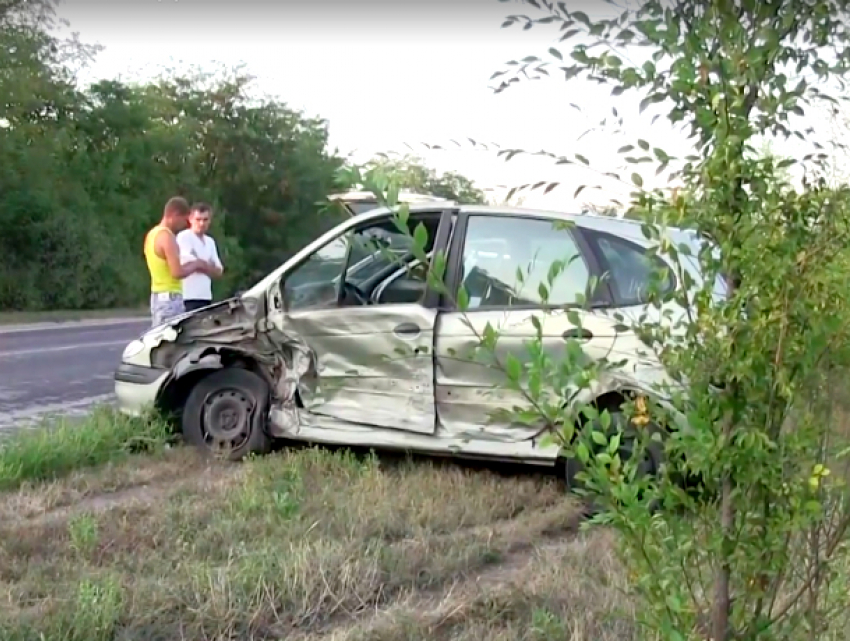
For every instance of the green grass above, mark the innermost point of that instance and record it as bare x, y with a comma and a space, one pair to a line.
64, 445
304, 545
58, 316
108, 535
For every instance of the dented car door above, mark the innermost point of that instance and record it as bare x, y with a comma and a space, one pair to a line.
375, 365
503, 262
374, 357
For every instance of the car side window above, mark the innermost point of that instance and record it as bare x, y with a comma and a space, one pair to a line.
506, 260
362, 256
373, 250
631, 269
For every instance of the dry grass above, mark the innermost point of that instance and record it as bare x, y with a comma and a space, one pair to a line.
566, 590
304, 544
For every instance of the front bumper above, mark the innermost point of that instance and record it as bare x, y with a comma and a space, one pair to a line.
137, 387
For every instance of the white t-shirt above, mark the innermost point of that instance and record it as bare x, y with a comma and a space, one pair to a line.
194, 247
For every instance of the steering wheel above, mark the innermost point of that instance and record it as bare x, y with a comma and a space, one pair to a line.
358, 294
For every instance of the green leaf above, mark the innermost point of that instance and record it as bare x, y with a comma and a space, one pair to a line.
555, 53
614, 443
555, 269
637, 180
582, 453
402, 216
603, 457
392, 195
581, 17
462, 299
420, 237
513, 368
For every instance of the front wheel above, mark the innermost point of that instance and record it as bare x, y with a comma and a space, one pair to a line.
225, 414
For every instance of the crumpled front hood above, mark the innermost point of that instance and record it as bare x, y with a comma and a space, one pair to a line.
231, 331
167, 329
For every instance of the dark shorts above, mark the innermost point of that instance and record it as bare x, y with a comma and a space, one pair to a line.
192, 304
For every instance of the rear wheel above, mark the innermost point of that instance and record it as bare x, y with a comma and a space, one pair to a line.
225, 414
648, 465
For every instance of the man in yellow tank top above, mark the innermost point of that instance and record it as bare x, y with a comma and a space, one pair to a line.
163, 258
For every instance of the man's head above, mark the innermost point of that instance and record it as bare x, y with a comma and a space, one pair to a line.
200, 217
175, 216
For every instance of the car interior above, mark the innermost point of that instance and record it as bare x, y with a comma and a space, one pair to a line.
377, 253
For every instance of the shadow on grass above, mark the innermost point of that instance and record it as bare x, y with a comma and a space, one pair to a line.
390, 459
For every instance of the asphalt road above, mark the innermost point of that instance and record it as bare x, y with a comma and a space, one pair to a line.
59, 368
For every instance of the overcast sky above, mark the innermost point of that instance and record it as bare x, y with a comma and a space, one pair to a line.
390, 73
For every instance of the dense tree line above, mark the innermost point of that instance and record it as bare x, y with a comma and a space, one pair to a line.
85, 171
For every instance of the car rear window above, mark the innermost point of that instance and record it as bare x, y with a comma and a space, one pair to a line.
358, 207
630, 268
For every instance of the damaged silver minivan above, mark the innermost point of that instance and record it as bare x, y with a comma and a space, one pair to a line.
345, 344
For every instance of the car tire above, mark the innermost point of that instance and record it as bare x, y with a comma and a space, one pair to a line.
650, 465
225, 414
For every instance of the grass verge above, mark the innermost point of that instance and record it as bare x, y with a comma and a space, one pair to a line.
106, 534
63, 445
304, 544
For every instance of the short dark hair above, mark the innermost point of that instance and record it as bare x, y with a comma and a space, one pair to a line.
202, 208
178, 206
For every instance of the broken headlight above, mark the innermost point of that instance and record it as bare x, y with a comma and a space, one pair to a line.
133, 349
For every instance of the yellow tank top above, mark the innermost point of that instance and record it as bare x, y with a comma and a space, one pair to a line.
161, 278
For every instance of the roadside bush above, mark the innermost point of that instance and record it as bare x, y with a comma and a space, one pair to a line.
747, 404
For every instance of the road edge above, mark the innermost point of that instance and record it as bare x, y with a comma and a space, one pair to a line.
69, 324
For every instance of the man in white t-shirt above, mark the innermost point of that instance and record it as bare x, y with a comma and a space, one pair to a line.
195, 245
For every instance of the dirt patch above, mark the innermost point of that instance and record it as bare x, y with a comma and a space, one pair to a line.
140, 478
139, 488
304, 544
544, 592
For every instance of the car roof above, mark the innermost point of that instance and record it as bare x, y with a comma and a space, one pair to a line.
627, 226
403, 197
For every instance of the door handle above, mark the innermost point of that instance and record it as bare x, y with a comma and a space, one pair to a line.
407, 330
581, 334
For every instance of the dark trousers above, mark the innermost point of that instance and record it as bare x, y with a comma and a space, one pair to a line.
195, 303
